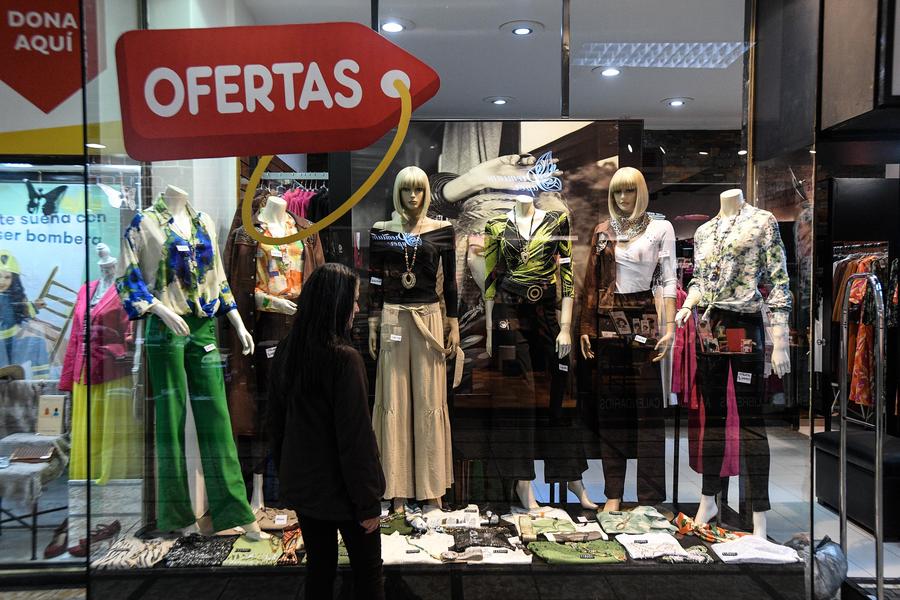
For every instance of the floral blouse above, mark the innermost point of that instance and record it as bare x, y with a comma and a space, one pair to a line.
529, 262
279, 269
160, 264
734, 256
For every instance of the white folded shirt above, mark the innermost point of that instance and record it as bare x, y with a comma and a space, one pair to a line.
752, 549
399, 549
650, 545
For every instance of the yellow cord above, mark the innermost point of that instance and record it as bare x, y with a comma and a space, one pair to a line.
353, 200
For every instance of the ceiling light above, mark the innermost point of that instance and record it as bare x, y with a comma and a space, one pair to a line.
95, 146
812, 151
702, 153
608, 71
677, 101
396, 25
522, 28
17, 165
629, 148
742, 153
499, 100
661, 149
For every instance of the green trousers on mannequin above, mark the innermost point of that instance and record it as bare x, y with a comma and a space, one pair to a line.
182, 368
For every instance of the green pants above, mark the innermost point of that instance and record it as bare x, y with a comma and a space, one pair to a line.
183, 367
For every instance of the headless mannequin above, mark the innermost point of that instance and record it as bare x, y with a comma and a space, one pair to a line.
731, 203
107, 272
274, 214
176, 200
527, 217
412, 220
625, 202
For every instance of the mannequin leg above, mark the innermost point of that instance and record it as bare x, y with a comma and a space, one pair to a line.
759, 524
526, 495
577, 488
707, 510
398, 505
256, 500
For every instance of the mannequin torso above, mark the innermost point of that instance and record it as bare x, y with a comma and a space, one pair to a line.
273, 214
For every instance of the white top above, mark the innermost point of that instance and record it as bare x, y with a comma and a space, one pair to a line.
636, 263
752, 549
650, 545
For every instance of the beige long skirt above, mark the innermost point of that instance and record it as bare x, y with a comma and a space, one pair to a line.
411, 422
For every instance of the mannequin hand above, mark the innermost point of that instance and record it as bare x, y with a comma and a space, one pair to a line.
283, 305
563, 343
682, 317
781, 361
243, 335
174, 322
373, 340
663, 346
586, 351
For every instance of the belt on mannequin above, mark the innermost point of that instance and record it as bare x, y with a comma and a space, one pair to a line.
416, 312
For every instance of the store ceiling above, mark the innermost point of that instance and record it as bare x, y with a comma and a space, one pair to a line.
462, 41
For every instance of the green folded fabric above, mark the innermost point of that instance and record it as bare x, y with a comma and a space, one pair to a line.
579, 553
643, 519
552, 525
396, 522
248, 553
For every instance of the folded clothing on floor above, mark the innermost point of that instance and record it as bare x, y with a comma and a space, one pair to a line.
642, 519
247, 552
397, 549
200, 551
437, 517
695, 554
752, 549
650, 545
706, 532
292, 546
395, 523
275, 519
131, 553
494, 537
578, 553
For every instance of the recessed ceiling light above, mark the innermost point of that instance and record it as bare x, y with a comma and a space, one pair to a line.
522, 28
396, 25
95, 146
676, 102
661, 149
630, 148
702, 153
742, 153
812, 151
610, 72
499, 100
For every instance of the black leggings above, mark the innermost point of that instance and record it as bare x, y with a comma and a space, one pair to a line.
364, 550
630, 417
517, 438
749, 388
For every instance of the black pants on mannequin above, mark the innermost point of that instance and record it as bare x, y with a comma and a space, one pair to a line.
363, 549
530, 329
746, 371
629, 409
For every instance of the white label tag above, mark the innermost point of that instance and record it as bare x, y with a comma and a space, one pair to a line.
608, 334
514, 540
209, 347
640, 339
270, 352
564, 368
183, 248
276, 252
566, 260
744, 377
582, 519
281, 519
375, 280
395, 337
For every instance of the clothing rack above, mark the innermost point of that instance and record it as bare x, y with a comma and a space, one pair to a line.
315, 175
855, 247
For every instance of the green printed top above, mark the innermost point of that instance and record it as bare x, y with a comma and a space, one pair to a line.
528, 262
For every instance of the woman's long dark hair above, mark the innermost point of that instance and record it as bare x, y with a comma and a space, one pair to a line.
18, 299
321, 325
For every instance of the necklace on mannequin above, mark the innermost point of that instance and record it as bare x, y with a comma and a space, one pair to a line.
524, 254
408, 278
626, 228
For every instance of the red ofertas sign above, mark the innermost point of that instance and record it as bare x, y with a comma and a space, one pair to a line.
237, 91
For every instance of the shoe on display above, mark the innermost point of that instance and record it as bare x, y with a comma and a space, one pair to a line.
59, 540
101, 532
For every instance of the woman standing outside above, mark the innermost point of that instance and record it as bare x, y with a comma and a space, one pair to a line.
322, 438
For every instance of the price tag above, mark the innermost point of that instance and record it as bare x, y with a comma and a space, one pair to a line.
209, 347
395, 337
608, 334
744, 377
500, 551
564, 368
270, 352
416, 551
281, 519
565, 261
375, 280
183, 248
640, 339
514, 540
582, 519
276, 253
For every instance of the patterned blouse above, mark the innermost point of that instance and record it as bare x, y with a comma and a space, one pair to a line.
279, 269
528, 262
159, 264
733, 256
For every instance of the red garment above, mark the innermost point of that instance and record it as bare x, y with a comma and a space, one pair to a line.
110, 336
684, 383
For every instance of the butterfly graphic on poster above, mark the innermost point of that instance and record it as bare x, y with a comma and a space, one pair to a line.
50, 199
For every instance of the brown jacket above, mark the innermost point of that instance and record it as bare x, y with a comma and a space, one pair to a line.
240, 266
600, 277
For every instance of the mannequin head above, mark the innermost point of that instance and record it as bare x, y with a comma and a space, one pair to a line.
11, 283
412, 194
107, 262
628, 194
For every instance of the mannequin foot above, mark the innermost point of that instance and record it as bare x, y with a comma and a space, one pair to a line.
256, 500
577, 488
252, 531
526, 495
204, 525
612, 505
399, 505
759, 524
708, 509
